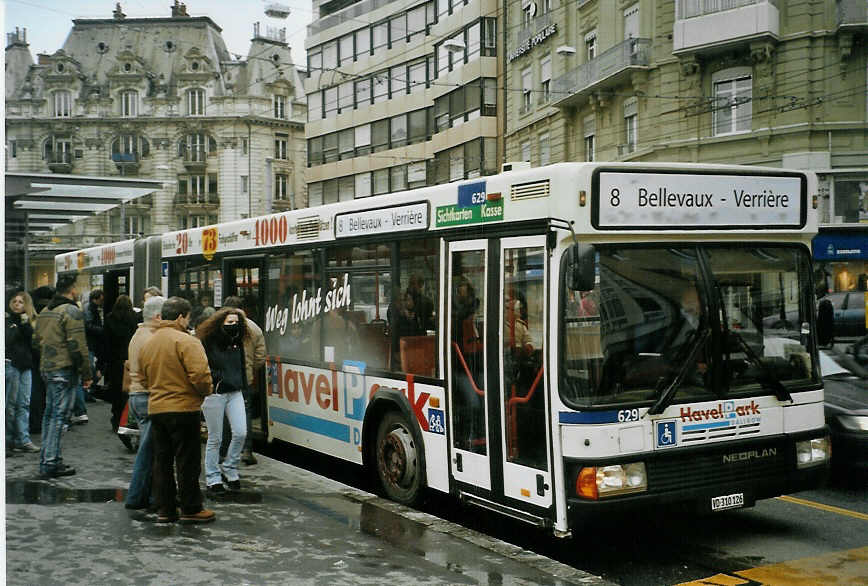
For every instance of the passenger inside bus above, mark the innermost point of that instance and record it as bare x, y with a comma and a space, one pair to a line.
467, 369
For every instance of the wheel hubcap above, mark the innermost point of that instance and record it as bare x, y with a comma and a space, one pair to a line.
398, 456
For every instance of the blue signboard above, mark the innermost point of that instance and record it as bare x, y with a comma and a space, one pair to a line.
831, 246
667, 434
471, 194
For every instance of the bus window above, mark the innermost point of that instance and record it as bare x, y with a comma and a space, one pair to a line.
523, 351
413, 315
292, 327
467, 344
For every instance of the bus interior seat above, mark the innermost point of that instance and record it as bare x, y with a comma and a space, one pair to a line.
417, 355
375, 344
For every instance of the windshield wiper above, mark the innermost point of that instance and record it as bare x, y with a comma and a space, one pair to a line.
693, 344
768, 380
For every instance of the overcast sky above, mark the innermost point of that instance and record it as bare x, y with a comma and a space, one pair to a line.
48, 22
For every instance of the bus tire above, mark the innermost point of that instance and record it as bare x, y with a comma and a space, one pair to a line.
397, 460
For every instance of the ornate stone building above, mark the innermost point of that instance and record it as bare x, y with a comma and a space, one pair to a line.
161, 98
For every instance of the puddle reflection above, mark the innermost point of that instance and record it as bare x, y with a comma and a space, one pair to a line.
32, 492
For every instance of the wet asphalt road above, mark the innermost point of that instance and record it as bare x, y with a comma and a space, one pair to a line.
286, 526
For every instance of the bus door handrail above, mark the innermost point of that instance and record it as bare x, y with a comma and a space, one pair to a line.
512, 409
480, 392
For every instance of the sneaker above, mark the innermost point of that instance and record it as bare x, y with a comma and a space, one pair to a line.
203, 516
234, 485
166, 518
248, 458
216, 489
79, 419
28, 447
61, 470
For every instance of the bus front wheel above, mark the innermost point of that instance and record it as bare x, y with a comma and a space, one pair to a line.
397, 460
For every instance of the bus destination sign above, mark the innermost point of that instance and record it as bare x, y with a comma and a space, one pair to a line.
386, 220
693, 201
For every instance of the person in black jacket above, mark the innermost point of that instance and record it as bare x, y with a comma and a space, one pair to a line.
223, 336
19, 367
120, 325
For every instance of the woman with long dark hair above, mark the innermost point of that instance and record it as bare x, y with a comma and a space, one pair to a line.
223, 336
120, 325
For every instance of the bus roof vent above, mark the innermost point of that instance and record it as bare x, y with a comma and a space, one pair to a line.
530, 190
307, 228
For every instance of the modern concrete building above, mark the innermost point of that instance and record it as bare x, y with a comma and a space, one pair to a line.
400, 94
757, 82
160, 98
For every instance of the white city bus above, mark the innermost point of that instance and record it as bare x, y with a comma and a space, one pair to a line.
548, 343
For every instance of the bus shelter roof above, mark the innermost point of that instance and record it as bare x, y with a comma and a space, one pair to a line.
42, 202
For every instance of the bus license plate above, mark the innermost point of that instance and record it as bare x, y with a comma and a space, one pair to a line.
730, 501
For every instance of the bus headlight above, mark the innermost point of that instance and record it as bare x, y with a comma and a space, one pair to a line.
594, 482
812, 452
854, 422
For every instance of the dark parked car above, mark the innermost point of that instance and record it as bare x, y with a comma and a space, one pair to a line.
846, 383
849, 314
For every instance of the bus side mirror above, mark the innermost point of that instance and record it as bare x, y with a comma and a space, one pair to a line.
581, 267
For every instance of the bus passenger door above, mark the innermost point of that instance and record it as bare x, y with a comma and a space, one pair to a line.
523, 398
467, 371
244, 277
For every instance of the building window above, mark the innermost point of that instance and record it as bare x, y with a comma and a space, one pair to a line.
280, 144
62, 104
363, 42
526, 85
331, 102
129, 103
418, 75
590, 46
590, 129
732, 103
630, 127
346, 97
280, 107
244, 185
363, 185
330, 56
545, 149
527, 14
525, 151
489, 37
345, 49
245, 145
545, 79
196, 102
13, 149
280, 192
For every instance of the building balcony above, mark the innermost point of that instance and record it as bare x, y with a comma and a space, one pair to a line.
281, 204
127, 163
197, 201
852, 14
709, 25
59, 162
195, 160
612, 68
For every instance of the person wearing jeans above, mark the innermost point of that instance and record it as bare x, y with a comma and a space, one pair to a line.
139, 492
60, 388
214, 407
223, 336
19, 372
64, 364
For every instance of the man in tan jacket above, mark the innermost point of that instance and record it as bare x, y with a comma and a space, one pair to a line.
174, 368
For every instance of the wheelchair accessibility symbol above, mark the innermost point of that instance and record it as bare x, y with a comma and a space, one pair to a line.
666, 434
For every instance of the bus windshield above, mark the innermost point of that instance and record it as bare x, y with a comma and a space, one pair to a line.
682, 323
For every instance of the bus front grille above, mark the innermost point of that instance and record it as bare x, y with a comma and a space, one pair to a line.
727, 464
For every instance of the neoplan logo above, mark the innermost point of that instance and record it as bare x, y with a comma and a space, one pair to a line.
749, 455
